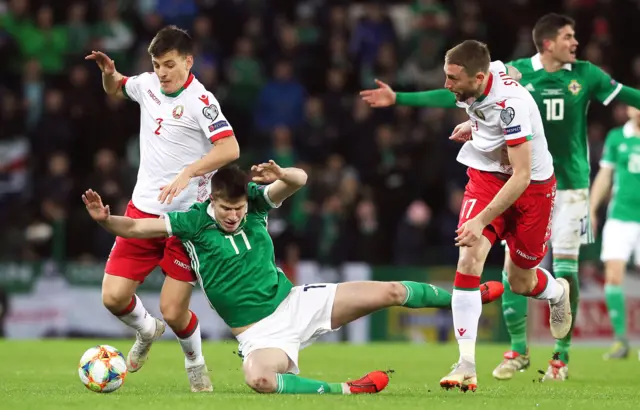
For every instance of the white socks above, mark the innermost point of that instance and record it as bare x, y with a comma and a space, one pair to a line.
466, 305
191, 343
547, 288
137, 317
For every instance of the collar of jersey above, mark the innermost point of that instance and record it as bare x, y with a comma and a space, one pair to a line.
629, 130
487, 89
184, 87
212, 213
536, 63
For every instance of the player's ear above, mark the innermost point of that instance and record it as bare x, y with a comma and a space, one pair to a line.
480, 77
189, 61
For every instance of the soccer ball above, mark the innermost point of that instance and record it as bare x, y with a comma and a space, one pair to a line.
102, 369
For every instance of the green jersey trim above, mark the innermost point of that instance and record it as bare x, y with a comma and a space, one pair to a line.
195, 264
265, 194
607, 164
613, 95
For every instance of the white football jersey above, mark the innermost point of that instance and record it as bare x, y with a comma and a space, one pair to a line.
175, 130
505, 115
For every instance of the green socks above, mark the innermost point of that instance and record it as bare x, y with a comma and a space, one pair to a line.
514, 310
292, 384
617, 314
568, 269
423, 295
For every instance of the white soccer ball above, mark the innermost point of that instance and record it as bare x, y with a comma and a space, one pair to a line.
102, 369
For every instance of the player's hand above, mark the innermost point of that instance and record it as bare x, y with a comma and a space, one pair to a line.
93, 203
106, 65
461, 133
267, 173
469, 232
175, 187
383, 96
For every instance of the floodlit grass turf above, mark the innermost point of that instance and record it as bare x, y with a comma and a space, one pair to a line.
43, 375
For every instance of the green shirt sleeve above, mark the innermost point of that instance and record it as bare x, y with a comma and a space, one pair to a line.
441, 98
259, 200
610, 151
183, 225
602, 86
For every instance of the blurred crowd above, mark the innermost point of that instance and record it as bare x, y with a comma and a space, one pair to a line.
384, 185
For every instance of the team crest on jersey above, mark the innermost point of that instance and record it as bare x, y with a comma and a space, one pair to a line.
507, 115
177, 112
479, 114
210, 112
575, 87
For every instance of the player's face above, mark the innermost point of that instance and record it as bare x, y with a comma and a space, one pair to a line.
460, 83
172, 69
229, 213
564, 47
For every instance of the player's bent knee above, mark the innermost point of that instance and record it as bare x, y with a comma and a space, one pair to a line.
261, 382
395, 293
521, 284
115, 301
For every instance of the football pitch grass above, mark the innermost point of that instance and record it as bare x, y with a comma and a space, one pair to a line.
43, 375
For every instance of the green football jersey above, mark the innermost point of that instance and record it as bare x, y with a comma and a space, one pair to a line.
237, 271
563, 98
622, 153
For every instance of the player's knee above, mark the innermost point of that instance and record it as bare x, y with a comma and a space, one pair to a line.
174, 314
521, 284
395, 293
614, 274
115, 301
261, 382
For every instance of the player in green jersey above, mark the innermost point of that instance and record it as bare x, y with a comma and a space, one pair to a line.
563, 87
233, 257
620, 165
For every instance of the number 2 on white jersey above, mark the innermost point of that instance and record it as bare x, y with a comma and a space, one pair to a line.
159, 121
472, 203
233, 241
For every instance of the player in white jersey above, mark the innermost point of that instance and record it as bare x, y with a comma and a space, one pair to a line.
179, 121
509, 196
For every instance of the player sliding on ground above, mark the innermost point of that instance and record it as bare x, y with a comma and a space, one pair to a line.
620, 167
510, 194
233, 256
563, 88
183, 138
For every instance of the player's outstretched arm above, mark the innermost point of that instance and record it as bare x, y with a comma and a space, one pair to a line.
629, 96
111, 78
384, 96
283, 182
121, 225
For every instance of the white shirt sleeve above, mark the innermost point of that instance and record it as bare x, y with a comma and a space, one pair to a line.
210, 119
132, 86
515, 121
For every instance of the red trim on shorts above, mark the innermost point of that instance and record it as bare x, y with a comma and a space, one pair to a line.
463, 281
221, 135
130, 307
191, 327
543, 281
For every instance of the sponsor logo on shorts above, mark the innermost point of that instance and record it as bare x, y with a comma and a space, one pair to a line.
218, 125
512, 130
524, 255
182, 264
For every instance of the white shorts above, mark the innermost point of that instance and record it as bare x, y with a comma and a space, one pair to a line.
302, 317
571, 226
620, 239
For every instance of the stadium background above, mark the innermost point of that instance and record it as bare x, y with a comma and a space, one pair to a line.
384, 190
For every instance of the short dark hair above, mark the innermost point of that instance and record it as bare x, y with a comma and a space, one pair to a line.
171, 38
472, 55
547, 28
229, 183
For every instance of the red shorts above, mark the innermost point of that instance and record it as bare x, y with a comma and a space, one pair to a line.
136, 258
525, 226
